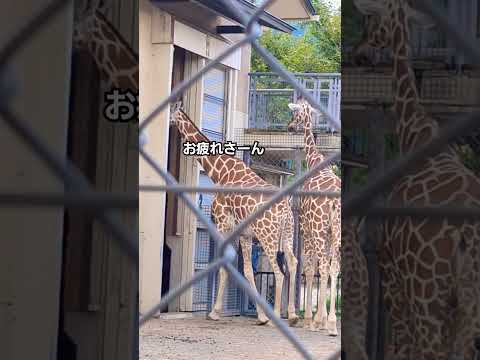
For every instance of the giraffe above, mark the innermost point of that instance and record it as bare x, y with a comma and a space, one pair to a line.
319, 224
430, 266
354, 290
116, 61
270, 228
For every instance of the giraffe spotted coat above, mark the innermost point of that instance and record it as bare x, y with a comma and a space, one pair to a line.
354, 291
430, 265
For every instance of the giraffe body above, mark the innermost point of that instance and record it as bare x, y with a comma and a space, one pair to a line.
273, 229
354, 291
320, 225
430, 266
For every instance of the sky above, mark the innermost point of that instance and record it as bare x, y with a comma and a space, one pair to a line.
336, 3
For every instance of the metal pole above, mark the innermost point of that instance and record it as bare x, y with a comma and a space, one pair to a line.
297, 238
376, 159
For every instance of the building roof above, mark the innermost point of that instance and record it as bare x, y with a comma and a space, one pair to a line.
266, 19
310, 7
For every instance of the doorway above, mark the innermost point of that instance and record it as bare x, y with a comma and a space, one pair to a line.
173, 166
78, 225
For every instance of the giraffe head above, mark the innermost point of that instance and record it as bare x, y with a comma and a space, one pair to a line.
84, 21
175, 113
386, 25
302, 115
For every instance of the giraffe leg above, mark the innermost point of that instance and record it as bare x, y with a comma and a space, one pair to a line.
396, 304
217, 308
224, 221
332, 316
353, 329
279, 277
335, 221
292, 269
246, 245
322, 315
309, 274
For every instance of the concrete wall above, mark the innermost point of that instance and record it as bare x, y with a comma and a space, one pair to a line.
238, 92
31, 254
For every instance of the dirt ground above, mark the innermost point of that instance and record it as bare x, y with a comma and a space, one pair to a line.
230, 338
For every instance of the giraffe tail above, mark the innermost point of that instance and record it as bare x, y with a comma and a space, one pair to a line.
282, 264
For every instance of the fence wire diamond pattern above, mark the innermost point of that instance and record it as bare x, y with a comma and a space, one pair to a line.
81, 194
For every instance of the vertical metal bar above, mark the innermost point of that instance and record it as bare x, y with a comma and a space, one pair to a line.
261, 284
304, 285
268, 289
339, 294
376, 159
297, 238
253, 102
211, 277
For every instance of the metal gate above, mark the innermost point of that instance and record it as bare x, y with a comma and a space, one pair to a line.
204, 291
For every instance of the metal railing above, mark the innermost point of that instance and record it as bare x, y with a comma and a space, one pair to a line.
440, 54
443, 87
81, 194
316, 291
269, 95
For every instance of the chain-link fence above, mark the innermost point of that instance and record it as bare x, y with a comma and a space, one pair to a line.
226, 251
354, 206
81, 194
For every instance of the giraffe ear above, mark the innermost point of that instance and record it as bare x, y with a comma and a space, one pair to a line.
176, 106
294, 107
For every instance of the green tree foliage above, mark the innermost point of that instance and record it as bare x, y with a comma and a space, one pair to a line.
318, 50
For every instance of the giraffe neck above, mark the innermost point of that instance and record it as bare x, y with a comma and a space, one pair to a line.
312, 154
212, 164
413, 127
115, 59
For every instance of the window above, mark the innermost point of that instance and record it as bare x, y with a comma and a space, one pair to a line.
214, 104
214, 115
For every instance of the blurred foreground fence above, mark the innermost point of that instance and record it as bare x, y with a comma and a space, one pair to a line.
81, 194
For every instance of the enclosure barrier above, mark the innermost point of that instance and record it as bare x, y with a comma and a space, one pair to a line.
81, 194
269, 96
